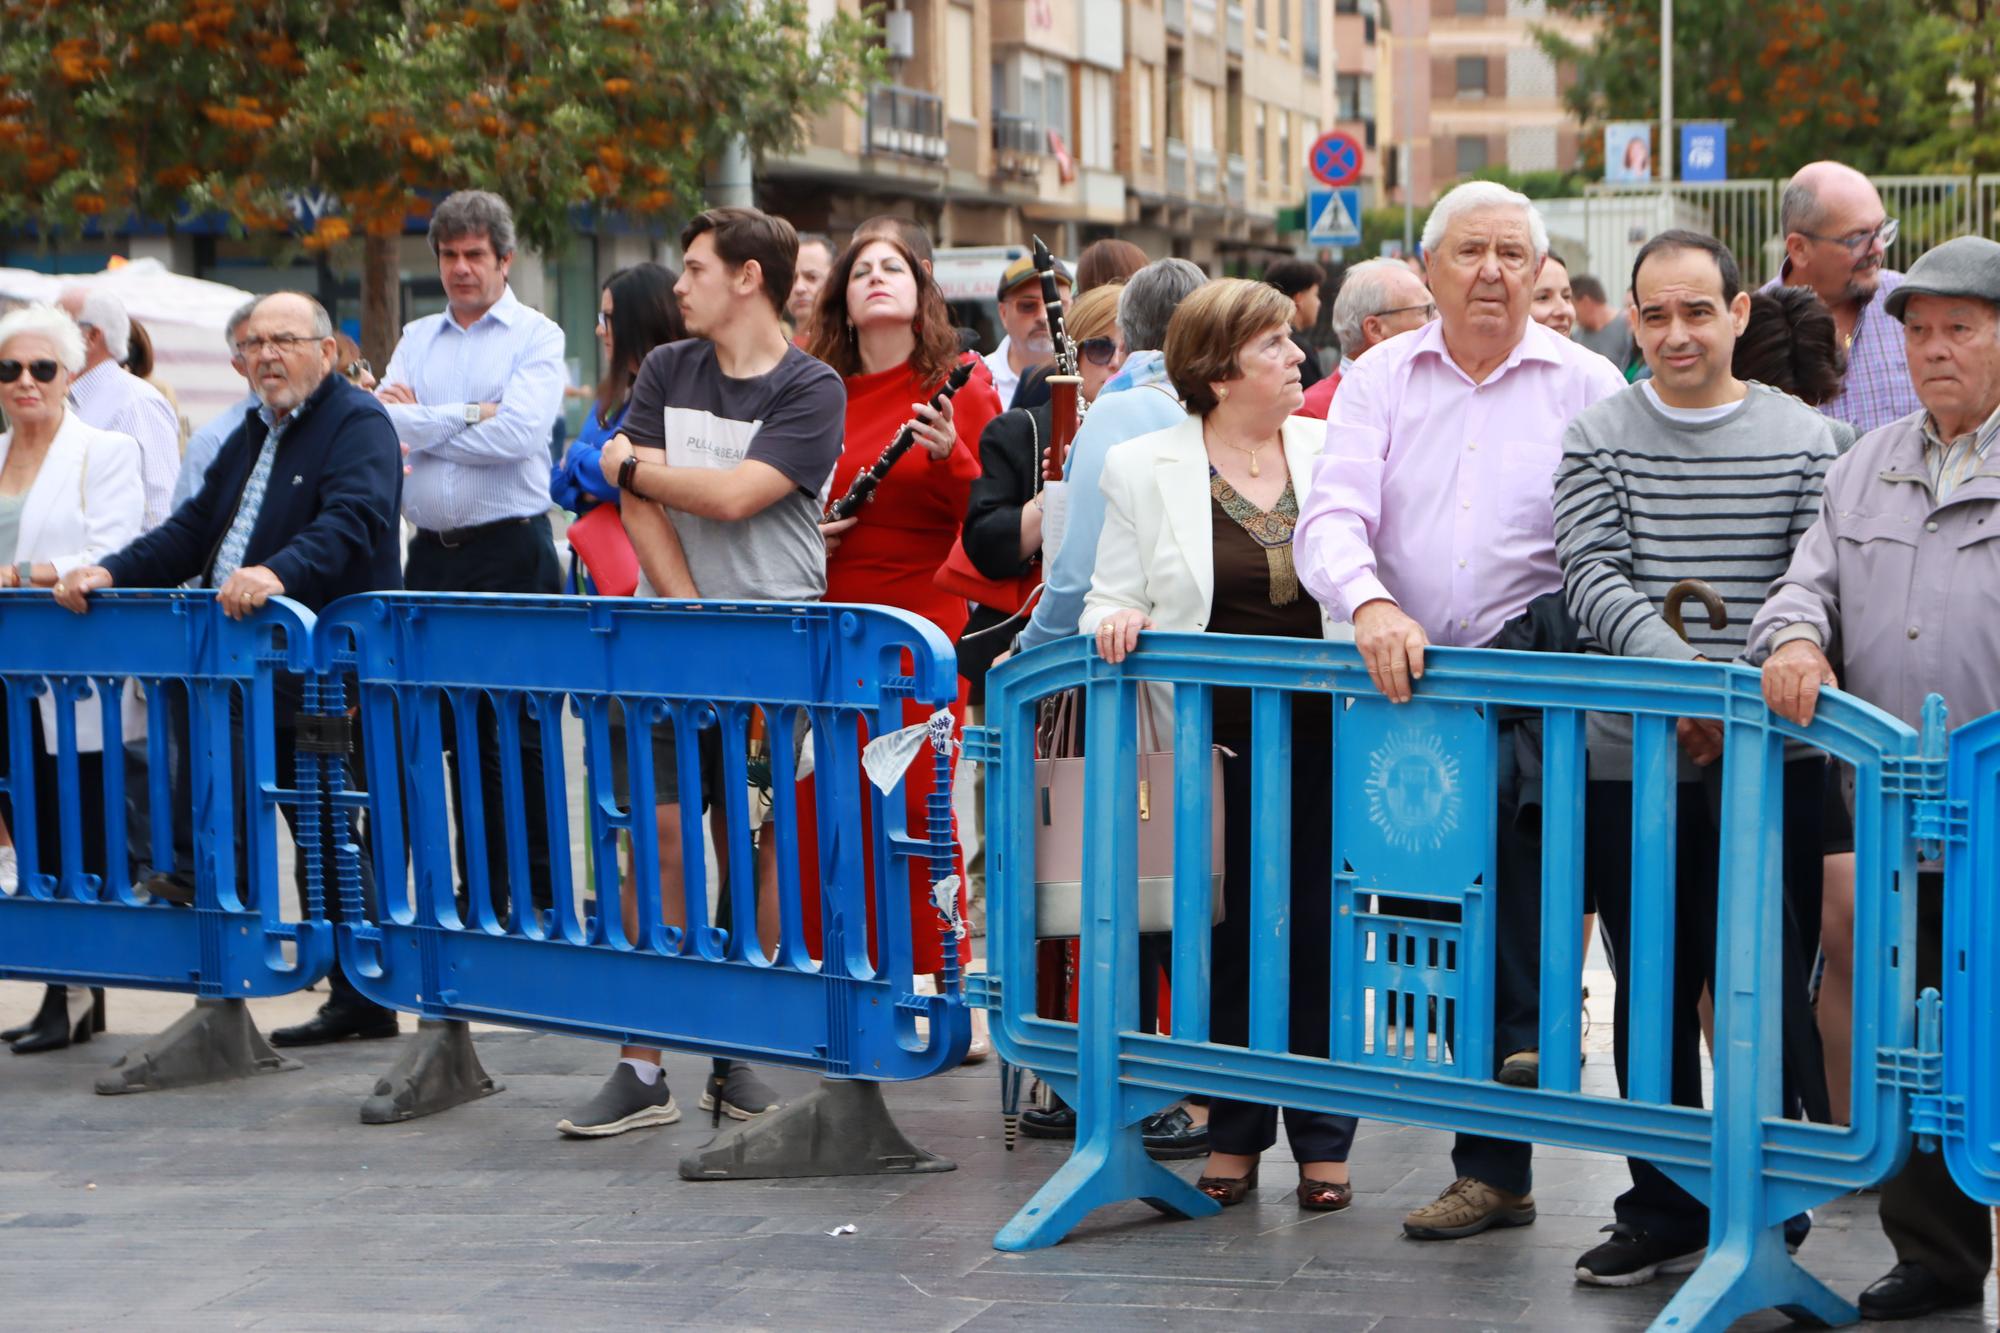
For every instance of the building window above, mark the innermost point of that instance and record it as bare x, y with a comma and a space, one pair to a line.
1284, 149
1201, 119
1471, 78
1353, 98
1309, 35
1055, 99
958, 63
1263, 147
1285, 19
1474, 9
1142, 104
1260, 16
1095, 129
1471, 153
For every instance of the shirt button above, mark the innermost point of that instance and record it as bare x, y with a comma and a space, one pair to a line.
1913, 631
1473, 447
1931, 526
1465, 504
1461, 564
1463, 623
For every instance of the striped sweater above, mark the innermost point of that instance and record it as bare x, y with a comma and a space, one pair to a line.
1643, 501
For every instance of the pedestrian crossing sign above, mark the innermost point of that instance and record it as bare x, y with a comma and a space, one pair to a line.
1333, 216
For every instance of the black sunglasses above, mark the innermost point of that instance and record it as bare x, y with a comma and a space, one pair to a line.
1098, 351
43, 370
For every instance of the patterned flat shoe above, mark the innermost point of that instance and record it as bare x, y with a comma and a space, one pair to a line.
1228, 1190
1324, 1196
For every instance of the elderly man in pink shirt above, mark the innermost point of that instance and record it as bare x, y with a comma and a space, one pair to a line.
1431, 520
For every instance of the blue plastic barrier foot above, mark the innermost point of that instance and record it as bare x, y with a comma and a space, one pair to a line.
437, 1071
1745, 1275
840, 1128
210, 1043
1107, 1167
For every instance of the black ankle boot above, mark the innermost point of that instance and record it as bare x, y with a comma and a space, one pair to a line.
52, 1002
58, 1026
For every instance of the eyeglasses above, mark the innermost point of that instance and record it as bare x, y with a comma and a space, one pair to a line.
603, 320
282, 343
1857, 242
1429, 308
1098, 351
354, 370
43, 370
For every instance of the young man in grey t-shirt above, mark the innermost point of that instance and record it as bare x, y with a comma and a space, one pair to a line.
726, 453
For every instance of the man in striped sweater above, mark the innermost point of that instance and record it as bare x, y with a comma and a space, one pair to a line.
1690, 474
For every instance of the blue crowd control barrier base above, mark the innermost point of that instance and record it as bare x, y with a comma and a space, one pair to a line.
1414, 901
438, 1070
213, 1042
840, 1128
1968, 827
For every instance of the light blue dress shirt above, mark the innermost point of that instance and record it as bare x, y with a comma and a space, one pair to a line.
1124, 410
460, 475
206, 443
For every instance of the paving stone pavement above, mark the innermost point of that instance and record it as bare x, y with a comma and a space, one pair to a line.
266, 1204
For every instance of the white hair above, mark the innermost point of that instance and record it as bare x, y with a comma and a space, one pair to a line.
1473, 196
103, 311
51, 322
1364, 291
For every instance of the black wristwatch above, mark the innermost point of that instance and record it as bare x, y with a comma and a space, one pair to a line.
626, 471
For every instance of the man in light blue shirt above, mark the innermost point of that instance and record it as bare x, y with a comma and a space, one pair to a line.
1138, 401
473, 393
206, 443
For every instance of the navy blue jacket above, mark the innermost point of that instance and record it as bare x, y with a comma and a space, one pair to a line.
327, 526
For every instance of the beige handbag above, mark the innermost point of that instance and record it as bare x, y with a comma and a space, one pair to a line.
1059, 831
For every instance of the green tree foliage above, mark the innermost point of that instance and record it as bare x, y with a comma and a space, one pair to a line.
1799, 79
1951, 75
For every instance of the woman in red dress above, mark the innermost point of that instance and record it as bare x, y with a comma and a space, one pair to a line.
882, 323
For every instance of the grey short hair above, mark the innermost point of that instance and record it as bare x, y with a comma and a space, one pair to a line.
1474, 196
51, 322
474, 213
322, 323
1150, 298
103, 311
1363, 292
237, 319
1799, 209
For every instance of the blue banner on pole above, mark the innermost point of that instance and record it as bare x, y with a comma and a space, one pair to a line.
1705, 151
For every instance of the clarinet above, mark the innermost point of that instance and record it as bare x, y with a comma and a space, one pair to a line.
864, 485
1065, 387
1045, 265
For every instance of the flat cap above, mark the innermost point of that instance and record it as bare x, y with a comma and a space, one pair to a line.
1962, 266
1023, 270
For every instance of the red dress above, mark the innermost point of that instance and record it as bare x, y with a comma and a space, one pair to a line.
888, 558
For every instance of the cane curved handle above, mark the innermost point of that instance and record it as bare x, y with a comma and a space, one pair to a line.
1700, 591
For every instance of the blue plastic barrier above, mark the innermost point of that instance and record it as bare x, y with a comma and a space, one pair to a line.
1967, 1115
540, 660
89, 930
1411, 815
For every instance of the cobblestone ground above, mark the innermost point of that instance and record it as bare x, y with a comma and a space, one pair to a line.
267, 1204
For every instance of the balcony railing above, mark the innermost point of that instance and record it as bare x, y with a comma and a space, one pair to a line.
1017, 144
1207, 175
1174, 12
1201, 17
1177, 169
906, 122
1233, 29
1239, 181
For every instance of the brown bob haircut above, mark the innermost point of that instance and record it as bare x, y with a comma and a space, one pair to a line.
1208, 333
833, 337
740, 235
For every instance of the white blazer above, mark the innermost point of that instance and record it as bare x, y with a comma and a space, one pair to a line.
88, 500
1156, 553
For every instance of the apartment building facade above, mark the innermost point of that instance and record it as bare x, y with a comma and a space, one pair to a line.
1181, 125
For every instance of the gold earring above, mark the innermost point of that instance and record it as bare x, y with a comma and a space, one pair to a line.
1224, 392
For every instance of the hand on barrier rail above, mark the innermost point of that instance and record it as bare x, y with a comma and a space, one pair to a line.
243, 592
1119, 634
1793, 677
74, 588
1392, 645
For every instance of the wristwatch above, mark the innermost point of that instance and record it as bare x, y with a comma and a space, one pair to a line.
474, 414
626, 472
24, 574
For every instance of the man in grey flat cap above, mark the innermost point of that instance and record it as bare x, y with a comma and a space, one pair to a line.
1899, 580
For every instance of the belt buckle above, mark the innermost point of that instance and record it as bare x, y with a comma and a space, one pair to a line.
445, 536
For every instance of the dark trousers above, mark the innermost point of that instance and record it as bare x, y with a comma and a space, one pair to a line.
511, 557
1925, 1215
1655, 1205
50, 799
1245, 1127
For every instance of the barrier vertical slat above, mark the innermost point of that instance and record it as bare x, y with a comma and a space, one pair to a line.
736, 848
159, 773
522, 917
214, 796
429, 820
546, 710
1193, 879
111, 726
69, 818
471, 794
605, 816
784, 816
383, 765
1270, 869
1562, 894
688, 739
837, 786
1649, 955
649, 932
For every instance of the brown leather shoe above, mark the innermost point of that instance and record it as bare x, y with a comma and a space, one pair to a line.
1228, 1190
1324, 1196
1466, 1208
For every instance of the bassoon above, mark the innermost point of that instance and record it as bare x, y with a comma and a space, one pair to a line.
863, 487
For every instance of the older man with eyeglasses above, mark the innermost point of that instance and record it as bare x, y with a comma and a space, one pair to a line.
1837, 237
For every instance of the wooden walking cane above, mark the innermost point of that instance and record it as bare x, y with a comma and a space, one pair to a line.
1700, 591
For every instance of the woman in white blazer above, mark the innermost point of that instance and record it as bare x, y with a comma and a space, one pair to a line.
70, 494
1198, 537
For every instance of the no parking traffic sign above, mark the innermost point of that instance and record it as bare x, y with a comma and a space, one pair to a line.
1335, 158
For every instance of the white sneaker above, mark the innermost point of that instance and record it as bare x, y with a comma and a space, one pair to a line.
10, 870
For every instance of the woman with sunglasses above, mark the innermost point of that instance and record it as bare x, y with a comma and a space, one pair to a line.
882, 323
70, 494
636, 312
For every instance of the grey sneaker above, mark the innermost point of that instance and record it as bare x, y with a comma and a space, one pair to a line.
622, 1103
744, 1095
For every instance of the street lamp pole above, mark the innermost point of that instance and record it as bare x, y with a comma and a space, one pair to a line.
1666, 153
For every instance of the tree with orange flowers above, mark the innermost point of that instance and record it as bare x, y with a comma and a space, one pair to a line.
166, 108
1798, 80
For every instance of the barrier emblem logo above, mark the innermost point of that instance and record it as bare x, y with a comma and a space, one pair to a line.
1414, 794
